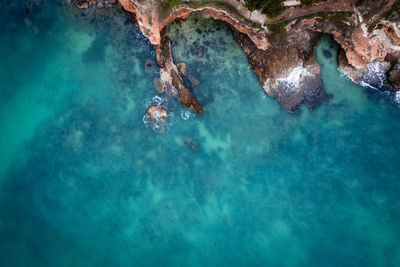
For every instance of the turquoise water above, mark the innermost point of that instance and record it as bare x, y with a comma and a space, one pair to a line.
85, 182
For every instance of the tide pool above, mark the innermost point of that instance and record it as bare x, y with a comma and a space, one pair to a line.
85, 182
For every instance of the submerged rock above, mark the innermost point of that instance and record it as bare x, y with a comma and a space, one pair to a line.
149, 65
198, 51
193, 81
327, 54
191, 144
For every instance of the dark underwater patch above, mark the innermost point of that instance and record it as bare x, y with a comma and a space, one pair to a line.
327, 53
96, 52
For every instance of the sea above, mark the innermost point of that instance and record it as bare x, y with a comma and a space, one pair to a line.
85, 180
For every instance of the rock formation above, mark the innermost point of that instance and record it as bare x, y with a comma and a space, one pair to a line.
288, 71
157, 116
281, 49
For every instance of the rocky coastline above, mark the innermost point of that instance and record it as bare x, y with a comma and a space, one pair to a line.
281, 50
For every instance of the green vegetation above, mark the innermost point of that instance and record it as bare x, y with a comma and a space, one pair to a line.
309, 2
393, 14
360, 3
272, 8
372, 26
333, 17
278, 30
191, 4
278, 27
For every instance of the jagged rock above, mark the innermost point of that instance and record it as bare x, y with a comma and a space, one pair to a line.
182, 68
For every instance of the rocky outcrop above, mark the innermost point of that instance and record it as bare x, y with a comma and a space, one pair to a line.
281, 50
288, 71
374, 74
157, 117
169, 75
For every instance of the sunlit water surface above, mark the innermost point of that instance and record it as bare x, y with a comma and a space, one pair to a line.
85, 182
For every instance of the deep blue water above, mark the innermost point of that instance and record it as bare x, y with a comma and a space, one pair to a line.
85, 182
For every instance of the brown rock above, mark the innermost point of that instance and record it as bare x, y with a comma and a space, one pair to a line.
82, 4
170, 76
111, 2
198, 51
158, 85
182, 68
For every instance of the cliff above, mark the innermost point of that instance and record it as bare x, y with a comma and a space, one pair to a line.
281, 49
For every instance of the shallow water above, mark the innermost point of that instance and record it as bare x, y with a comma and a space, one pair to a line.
84, 181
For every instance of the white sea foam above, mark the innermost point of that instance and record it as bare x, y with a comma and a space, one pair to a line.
376, 72
293, 79
397, 97
187, 114
364, 84
375, 76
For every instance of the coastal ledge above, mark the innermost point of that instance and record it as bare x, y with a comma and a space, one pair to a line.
281, 49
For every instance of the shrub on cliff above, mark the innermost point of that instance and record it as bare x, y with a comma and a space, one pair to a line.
309, 2
272, 8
